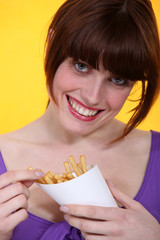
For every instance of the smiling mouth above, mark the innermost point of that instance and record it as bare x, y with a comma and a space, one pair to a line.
82, 110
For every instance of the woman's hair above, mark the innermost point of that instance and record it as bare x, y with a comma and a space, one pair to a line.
121, 35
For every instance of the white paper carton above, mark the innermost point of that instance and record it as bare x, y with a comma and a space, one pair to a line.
88, 189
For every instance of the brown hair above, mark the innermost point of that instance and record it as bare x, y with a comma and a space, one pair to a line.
122, 34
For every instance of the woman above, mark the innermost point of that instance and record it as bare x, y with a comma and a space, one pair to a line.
96, 51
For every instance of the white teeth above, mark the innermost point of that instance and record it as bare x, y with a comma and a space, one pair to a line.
77, 108
90, 113
94, 113
86, 112
70, 101
81, 110
73, 105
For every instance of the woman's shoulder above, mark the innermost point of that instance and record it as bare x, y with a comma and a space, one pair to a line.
144, 136
17, 145
7, 148
6, 140
138, 135
139, 142
10, 145
27, 133
143, 142
13, 137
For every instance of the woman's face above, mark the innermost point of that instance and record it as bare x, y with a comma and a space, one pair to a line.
87, 99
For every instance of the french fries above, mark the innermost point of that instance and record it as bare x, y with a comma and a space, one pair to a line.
74, 166
53, 178
83, 163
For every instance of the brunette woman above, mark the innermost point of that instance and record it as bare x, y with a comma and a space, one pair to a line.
96, 52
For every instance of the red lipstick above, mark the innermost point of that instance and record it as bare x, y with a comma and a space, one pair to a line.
79, 116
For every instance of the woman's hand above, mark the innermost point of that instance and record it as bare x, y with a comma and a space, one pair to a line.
133, 222
14, 196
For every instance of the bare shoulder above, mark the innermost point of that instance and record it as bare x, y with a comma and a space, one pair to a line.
6, 140
139, 143
30, 133
19, 144
137, 139
10, 139
141, 137
11, 143
7, 148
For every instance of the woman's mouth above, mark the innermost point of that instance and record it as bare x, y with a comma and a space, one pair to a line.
81, 111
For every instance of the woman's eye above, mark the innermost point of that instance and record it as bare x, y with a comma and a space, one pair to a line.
118, 81
81, 67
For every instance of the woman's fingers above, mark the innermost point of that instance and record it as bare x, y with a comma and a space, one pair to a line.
12, 191
20, 175
14, 196
17, 217
92, 212
89, 236
10, 222
107, 228
13, 205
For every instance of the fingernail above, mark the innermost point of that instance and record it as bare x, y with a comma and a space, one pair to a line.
39, 173
64, 209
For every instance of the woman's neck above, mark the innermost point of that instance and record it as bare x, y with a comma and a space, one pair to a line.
56, 132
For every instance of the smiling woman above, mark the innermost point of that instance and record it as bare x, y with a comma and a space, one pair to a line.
111, 53
96, 54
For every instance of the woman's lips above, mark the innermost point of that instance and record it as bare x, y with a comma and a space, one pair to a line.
82, 112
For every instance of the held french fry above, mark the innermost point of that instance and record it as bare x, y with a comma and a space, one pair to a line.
74, 166
56, 176
79, 166
64, 175
48, 179
68, 170
83, 163
69, 176
51, 175
67, 167
41, 180
59, 180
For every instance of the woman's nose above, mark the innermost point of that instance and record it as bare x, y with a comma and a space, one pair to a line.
93, 92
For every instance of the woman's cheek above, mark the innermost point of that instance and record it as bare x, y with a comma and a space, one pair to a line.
116, 99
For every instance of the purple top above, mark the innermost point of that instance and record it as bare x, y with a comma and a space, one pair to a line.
148, 195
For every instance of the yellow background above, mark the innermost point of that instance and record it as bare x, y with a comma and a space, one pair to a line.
23, 95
